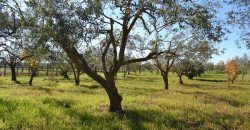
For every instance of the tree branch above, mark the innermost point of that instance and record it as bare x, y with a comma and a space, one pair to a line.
104, 53
110, 18
148, 57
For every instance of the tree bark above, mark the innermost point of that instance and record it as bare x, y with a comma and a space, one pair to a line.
76, 73
33, 73
47, 70
13, 72
77, 80
108, 83
180, 79
165, 79
17, 69
4, 72
114, 97
29, 72
77, 77
124, 73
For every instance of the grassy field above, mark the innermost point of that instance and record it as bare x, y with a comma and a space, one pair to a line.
54, 103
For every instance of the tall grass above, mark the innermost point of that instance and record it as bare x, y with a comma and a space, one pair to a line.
54, 103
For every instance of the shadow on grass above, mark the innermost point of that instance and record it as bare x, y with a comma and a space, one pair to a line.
204, 87
65, 103
94, 86
195, 86
17, 82
150, 79
211, 80
147, 79
138, 119
213, 98
135, 120
231, 102
3, 87
47, 90
233, 87
50, 90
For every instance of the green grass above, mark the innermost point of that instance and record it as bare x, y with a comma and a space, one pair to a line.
54, 103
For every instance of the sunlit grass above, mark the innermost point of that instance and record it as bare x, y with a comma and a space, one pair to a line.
206, 102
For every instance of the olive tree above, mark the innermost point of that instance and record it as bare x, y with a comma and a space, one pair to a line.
12, 57
185, 48
68, 23
11, 34
243, 64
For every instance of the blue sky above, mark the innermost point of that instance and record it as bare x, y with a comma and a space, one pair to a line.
232, 49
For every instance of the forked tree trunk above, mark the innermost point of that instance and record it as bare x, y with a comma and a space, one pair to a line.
76, 73
77, 77
108, 83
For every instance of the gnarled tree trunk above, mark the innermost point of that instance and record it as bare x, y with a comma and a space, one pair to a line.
114, 97
108, 83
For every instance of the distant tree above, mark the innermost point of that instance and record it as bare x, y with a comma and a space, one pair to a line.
64, 69
232, 70
209, 66
179, 68
188, 67
33, 64
12, 62
194, 69
220, 67
10, 35
185, 49
12, 53
32, 55
164, 67
148, 66
243, 64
